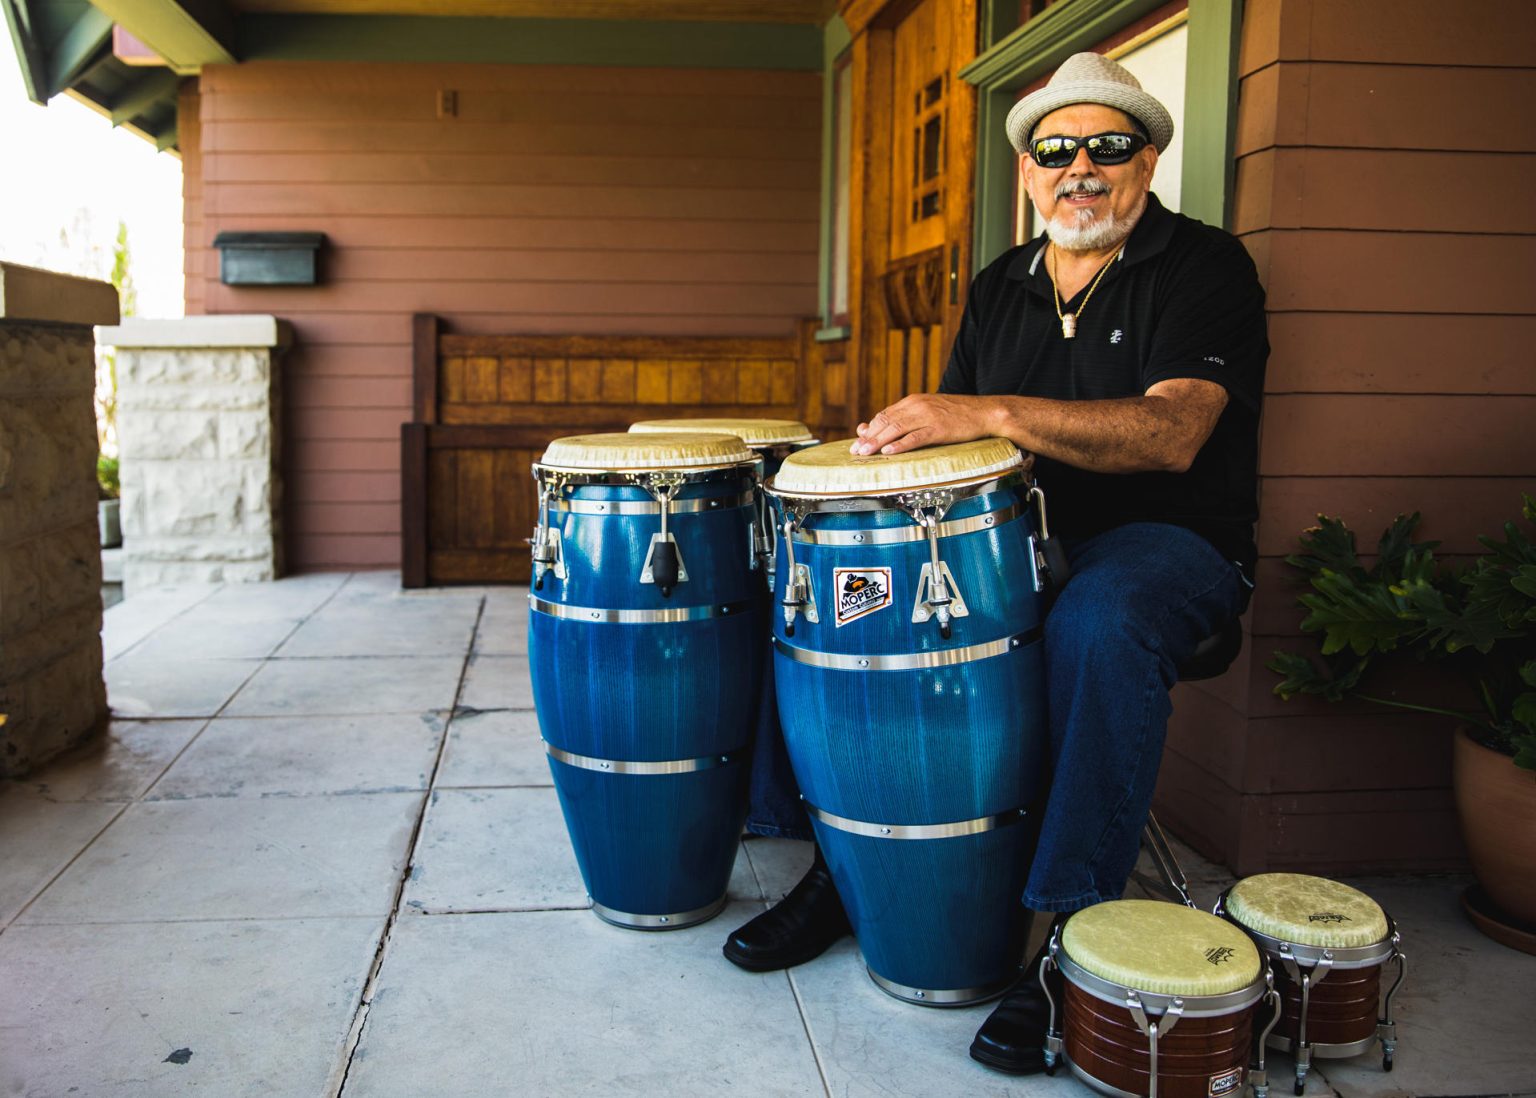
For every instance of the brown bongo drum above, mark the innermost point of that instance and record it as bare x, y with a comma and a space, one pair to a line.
1327, 944
1159, 1001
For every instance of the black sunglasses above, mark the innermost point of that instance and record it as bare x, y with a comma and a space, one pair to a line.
1103, 148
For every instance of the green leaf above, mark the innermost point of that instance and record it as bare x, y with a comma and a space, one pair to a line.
1523, 710
1528, 673
1328, 545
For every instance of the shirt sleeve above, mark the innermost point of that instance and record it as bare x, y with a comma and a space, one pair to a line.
1211, 324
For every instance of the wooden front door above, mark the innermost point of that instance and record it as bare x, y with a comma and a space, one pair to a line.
919, 122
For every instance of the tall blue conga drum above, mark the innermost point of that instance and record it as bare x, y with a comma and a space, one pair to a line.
910, 686
645, 641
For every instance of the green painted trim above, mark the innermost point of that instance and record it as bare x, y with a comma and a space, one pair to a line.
29, 57
187, 33
834, 40
1050, 38
1210, 110
80, 48
834, 335
166, 138
1073, 25
155, 86
999, 19
529, 41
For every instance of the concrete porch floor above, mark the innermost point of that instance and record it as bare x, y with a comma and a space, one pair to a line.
320, 855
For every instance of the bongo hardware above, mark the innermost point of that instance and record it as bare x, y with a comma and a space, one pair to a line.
1319, 961
927, 508
663, 563
799, 598
1051, 567
547, 552
1153, 1027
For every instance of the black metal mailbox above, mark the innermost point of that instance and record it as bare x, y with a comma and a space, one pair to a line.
268, 259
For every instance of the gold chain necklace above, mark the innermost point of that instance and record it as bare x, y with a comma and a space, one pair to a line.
1069, 320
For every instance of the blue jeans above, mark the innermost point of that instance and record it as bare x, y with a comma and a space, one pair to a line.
1140, 599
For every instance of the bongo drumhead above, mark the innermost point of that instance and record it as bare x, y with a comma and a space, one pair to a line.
1294, 907
618, 452
1163, 948
754, 432
831, 470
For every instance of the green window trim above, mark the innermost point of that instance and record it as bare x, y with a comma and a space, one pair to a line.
1065, 28
835, 40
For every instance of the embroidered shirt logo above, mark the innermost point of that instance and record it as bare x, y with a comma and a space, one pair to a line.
860, 591
1218, 954
1115, 336
1217, 359
1328, 917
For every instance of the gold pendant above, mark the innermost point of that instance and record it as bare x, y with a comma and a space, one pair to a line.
1068, 325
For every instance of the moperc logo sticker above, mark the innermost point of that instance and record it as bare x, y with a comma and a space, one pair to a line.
860, 591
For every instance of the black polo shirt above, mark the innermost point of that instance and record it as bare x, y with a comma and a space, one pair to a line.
1182, 300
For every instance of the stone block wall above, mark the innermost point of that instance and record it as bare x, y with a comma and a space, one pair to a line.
198, 426
52, 695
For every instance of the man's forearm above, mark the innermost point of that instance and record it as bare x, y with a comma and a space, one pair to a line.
1132, 435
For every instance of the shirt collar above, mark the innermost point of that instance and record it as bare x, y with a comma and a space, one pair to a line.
1150, 237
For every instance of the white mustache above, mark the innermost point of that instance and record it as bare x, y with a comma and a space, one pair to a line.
1082, 186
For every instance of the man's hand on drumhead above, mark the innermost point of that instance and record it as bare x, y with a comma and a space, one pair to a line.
924, 419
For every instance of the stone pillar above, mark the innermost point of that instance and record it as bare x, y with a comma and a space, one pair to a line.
198, 429
51, 691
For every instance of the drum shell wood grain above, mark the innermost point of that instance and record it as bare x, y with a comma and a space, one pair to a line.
1342, 1008
1103, 1040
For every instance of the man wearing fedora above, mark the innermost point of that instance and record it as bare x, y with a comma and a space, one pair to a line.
1124, 348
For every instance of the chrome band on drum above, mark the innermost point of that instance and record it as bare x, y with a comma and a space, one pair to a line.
675, 921
911, 661
629, 766
978, 826
636, 617
644, 507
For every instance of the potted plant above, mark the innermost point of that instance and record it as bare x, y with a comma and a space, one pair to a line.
108, 491
1478, 618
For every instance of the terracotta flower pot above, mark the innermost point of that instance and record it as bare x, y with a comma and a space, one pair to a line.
1496, 802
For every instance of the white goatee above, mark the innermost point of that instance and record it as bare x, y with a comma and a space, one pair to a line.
1089, 233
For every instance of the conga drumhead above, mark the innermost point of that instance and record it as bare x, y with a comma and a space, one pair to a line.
621, 452
1315, 911
832, 470
754, 432
1162, 948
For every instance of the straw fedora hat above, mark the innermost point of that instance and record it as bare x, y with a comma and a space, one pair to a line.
1090, 78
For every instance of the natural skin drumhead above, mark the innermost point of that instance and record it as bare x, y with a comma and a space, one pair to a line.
754, 432
626, 451
831, 470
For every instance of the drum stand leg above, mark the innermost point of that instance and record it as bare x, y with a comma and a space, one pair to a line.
1052, 1033
1386, 1028
1303, 1046
1258, 1074
1170, 881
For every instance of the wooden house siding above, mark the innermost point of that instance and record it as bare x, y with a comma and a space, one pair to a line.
552, 200
1398, 273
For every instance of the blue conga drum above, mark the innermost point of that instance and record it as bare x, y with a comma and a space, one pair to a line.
910, 686
646, 642
772, 440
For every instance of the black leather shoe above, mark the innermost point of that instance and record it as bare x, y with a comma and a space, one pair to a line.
1012, 1039
799, 927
